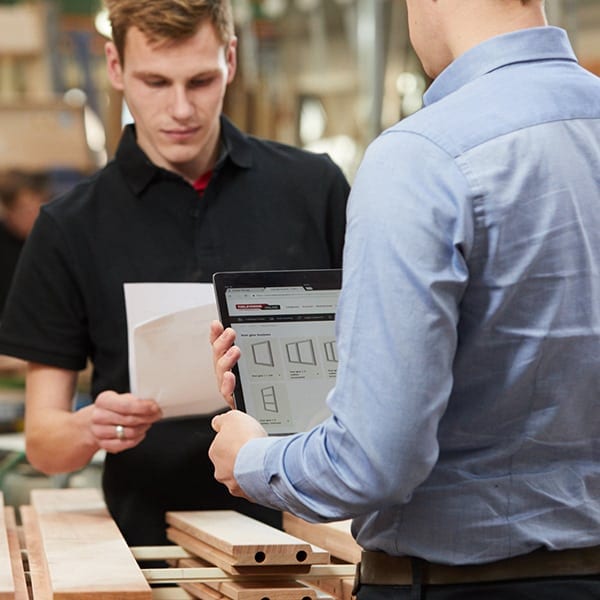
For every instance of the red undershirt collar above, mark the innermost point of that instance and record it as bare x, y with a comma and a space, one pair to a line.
201, 183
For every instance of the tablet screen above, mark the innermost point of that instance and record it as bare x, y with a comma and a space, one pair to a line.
285, 325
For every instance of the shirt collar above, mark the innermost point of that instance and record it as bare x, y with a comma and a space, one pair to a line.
524, 45
139, 170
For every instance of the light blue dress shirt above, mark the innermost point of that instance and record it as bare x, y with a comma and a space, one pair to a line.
466, 413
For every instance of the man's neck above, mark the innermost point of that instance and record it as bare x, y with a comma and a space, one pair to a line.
471, 22
205, 163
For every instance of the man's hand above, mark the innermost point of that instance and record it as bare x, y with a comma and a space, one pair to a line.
225, 355
120, 421
234, 429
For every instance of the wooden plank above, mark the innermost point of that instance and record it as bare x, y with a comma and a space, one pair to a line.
38, 568
255, 588
197, 589
86, 555
286, 589
347, 587
271, 571
170, 594
222, 560
248, 542
16, 560
202, 591
335, 587
7, 581
335, 537
178, 575
159, 552
332, 586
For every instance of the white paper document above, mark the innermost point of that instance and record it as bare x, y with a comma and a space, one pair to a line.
170, 358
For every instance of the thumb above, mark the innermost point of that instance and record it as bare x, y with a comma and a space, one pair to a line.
216, 423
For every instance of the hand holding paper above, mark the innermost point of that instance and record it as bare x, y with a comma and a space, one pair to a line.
170, 356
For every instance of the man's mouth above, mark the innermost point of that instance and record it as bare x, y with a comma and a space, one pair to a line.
181, 133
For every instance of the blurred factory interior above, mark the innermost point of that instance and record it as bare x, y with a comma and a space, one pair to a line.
324, 74
327, 75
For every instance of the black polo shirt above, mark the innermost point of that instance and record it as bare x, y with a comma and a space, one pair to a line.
267, 206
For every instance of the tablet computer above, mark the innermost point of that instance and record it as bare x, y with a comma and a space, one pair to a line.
285, 325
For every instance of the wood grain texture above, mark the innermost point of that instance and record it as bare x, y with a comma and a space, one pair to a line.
222, 560
335, 537
253, 589
336, 588
170, 594
86, 556
38, 568
177, 575
7, 582
347, 587
248, 542
264, 590
14, 549
202, 591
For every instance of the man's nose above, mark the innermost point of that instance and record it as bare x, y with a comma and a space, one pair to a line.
181, 105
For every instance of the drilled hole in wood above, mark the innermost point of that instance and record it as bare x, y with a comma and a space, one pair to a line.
301, 556
260, 557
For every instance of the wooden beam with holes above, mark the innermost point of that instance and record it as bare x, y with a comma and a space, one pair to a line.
223, 560
237, 541
76, 551
257, 587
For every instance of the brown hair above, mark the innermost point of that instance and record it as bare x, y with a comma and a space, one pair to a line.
162, 20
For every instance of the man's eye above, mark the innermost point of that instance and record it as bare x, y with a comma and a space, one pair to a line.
155, 82
196, 83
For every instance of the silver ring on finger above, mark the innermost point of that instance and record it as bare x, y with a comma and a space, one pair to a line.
120, 432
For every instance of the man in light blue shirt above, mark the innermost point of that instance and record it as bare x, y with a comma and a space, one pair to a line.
465, 425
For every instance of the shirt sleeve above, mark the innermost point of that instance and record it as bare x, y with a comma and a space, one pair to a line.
409, 232
44, 318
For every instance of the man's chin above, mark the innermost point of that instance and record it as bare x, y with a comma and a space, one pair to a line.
178, 161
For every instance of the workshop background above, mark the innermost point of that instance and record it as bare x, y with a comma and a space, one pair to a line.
327, 75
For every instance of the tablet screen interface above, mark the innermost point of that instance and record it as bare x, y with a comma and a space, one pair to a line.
288, 362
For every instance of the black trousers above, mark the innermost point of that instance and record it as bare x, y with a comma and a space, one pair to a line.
559, 588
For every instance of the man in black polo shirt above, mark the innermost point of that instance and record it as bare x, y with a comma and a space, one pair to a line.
186, 195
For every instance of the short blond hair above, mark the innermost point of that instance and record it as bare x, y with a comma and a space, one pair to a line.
167, 20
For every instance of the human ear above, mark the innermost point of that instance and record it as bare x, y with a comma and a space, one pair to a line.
231, 59
113, 66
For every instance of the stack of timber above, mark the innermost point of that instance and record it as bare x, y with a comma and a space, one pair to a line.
264, 563
69, 548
